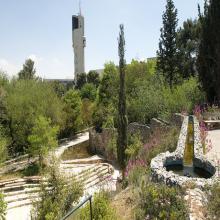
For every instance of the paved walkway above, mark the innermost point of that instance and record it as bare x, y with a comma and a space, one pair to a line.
214, 136
79, 139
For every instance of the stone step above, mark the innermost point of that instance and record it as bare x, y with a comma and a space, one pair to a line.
18, 180
76, 168
64, 165
18, 187
25, 191
90, 160
96, 177
20, 197
19, 204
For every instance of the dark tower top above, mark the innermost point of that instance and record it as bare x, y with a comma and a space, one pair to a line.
75, 22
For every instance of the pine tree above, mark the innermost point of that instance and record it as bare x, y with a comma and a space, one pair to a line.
188, 38
208, 62
28, 71
167, 53
122, 113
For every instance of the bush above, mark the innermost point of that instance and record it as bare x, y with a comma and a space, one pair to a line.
32, 170
56, 197
26, 100
3, 147
138, 166
214, 202
134, 145
160, 202
3, 207
160, 142
101, 208
88, 91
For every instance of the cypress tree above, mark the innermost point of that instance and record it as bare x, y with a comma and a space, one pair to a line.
208, 62
167, 55
122, 113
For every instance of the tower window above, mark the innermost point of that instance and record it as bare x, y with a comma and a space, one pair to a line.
75, 23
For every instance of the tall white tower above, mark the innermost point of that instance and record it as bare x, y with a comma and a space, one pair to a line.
79, 43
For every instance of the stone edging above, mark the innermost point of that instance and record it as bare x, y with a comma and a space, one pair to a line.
159, 163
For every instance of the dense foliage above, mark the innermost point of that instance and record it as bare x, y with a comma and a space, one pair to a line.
56, 197
28, 72
101, 208
167, 53
3, 207
161, 202
43, 138
214, 202
188, 38
208, 62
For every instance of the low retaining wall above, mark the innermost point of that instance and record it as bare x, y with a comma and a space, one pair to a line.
143, 130
159, 163
99, 142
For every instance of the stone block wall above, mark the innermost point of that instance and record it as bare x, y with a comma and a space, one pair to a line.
98, 142
143, 130
158, 124
177, 119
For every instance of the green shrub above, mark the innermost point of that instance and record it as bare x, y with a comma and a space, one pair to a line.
134, 145
88, 91
160, 142
32, 170
3, 148
160, 202
101, 208
56, 200
3, 207
214, 202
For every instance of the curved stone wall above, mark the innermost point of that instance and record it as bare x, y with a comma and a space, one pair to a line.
159, 163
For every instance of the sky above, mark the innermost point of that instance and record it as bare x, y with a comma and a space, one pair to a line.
42, 30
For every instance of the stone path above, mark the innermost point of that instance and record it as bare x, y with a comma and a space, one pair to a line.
196, 200
79, 139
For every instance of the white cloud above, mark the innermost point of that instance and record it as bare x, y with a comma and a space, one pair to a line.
9, 68
35, 58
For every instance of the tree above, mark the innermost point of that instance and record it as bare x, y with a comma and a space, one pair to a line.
80, 80
72, 108
208, 62
122, 113
167, 55
188, 38
93, 77
28, 71
108, 88
26, 100
43, 138
88, 91
59, 88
